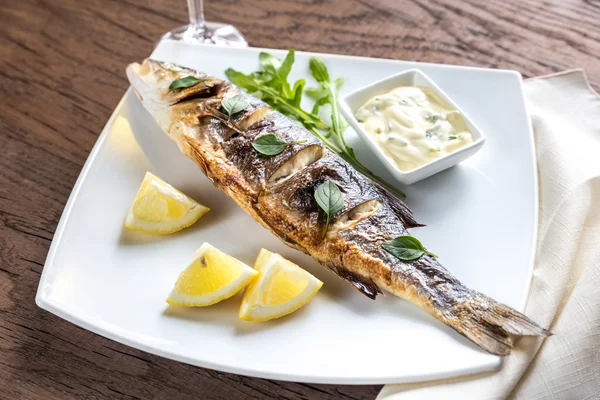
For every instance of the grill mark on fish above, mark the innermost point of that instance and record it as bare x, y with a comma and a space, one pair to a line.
356, 214
204, 93
297, 162
257, 115
287, 207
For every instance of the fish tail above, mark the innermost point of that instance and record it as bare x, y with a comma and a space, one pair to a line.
489, 324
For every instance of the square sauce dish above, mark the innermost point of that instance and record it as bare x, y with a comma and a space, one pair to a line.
412, 125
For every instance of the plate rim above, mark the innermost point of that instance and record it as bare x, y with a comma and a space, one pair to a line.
45, 303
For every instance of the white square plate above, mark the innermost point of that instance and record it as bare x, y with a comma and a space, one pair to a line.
113, 281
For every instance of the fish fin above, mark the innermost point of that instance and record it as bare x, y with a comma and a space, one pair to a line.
398, 207
491, 325
364, 285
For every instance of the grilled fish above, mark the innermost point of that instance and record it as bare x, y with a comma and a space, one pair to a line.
278, 191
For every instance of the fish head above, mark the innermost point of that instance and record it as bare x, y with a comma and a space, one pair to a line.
151, 80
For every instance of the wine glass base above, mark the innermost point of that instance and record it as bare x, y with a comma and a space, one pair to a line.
213, 33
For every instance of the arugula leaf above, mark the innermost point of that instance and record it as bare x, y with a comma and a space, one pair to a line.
271, 145
269, 64
234, 104
316, 92
297, 92
185, 82
330, 199
319, 70
284, 71
406, 248
248, 82
270, 84
275, 72
319, 103
330, 91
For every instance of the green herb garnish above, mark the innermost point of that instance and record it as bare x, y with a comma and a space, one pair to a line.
271, 84
186, 82
406, 248
271, 145
452, 137
432, 118
430, 134
330, 199
234, 104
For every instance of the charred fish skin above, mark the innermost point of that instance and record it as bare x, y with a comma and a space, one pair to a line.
278, 192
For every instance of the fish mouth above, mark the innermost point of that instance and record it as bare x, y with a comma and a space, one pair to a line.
134, 77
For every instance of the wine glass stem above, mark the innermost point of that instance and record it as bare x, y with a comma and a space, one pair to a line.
196, 11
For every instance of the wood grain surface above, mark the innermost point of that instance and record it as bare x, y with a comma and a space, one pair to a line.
62, 64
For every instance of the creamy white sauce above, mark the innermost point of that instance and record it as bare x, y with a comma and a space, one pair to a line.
413, 126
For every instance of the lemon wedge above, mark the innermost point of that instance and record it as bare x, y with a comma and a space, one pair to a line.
160, 208
211, 277
281, 288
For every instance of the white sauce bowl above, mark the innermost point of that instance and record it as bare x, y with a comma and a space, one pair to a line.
350, 103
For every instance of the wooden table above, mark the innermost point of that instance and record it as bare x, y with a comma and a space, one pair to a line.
62, 69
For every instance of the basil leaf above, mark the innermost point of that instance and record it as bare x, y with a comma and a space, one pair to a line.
234, 104
330, 199
186, 82
406, 248
271, 145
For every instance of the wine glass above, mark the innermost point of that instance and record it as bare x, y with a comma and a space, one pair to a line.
200, 31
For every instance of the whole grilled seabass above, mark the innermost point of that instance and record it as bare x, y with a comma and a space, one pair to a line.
278, 191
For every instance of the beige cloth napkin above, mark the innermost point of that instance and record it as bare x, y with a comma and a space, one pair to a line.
565, 288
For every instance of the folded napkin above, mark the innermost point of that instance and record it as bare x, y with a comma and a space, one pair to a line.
565, 288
